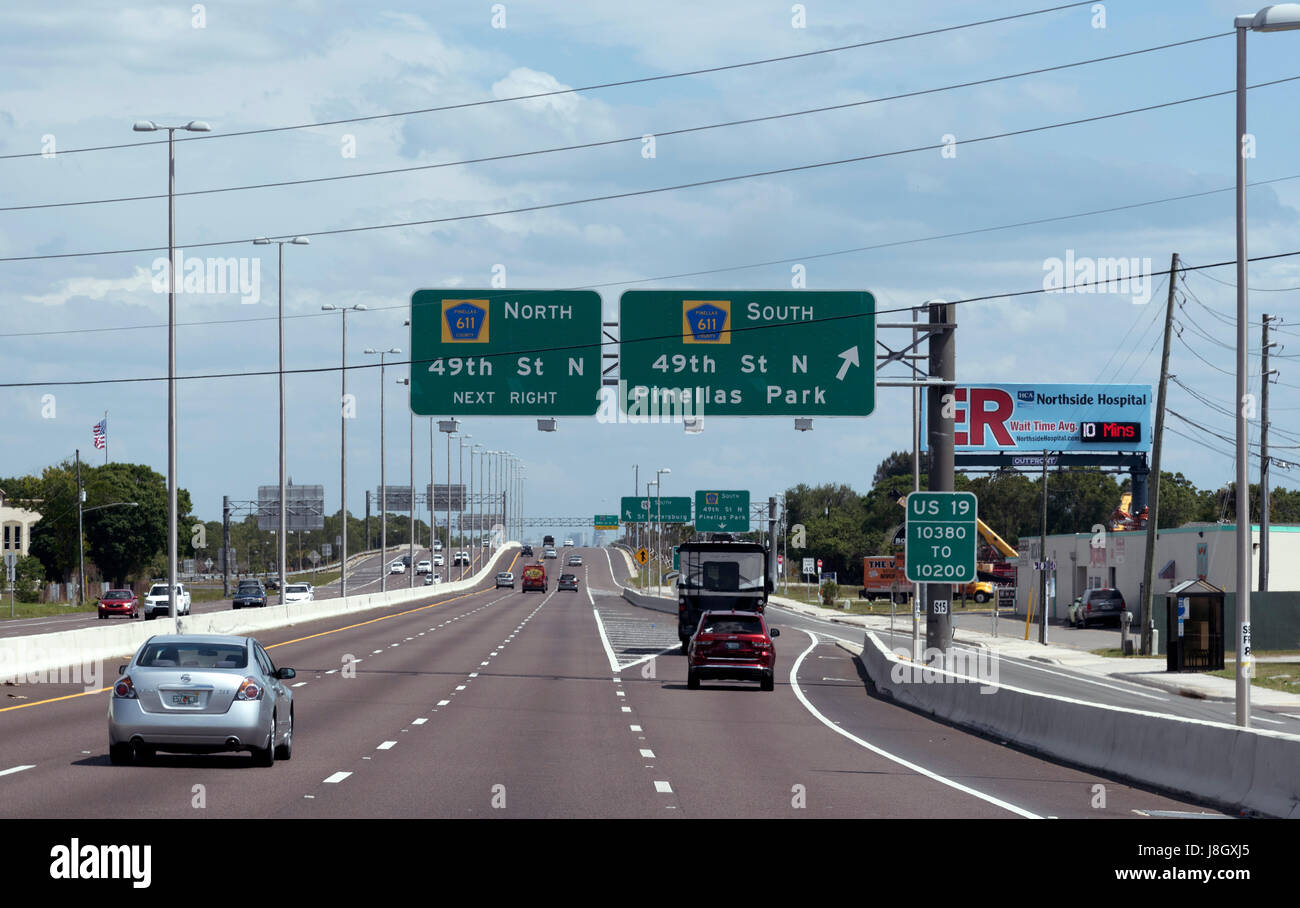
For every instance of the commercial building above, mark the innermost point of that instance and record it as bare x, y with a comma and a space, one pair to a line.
16, 525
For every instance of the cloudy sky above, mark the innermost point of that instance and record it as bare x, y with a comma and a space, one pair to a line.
79, 301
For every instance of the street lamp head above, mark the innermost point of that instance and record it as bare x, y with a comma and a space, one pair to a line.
328, 307
261, 241
197, 126
1279, 17
145, 126
300, 241
370, 350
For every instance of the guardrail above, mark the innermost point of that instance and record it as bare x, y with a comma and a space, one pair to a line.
1235, 767
22, 657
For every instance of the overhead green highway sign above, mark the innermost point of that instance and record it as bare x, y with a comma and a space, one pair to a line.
748, 353
650, 509
505, 352
722, 512
941, 537
605, 521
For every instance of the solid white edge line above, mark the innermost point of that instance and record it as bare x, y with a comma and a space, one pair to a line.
929, 774
609, 650
13, 769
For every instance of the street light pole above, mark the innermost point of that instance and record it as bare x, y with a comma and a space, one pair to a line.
659, 523
1280, 17
410, 544
192, 126
284, 534
383, 481
343, 455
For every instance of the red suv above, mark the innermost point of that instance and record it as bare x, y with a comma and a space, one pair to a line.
732, 645
119, 602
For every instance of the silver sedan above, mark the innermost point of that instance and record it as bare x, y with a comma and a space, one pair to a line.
201, 694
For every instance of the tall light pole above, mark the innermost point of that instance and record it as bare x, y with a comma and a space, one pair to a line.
383, 481
192, 126
343, 446
460, 518
649, 534
284, 523
1280, 17
659, 521
450, 426
477, 503
636, 494
410, 544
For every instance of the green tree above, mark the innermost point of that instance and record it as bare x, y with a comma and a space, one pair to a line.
28, 574
124, 541
54, 537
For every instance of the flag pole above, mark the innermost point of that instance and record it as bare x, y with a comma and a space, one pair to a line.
105, 438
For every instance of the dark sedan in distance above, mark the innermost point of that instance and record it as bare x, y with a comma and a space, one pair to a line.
568, 582
250, 594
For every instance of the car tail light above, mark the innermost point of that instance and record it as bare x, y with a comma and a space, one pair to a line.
761, 644
124, 689
249, 689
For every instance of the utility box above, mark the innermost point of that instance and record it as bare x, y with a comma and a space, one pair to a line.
1194, 627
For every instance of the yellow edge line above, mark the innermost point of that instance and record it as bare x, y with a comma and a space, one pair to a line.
273, 645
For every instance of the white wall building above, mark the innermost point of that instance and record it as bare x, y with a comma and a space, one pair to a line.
16, 526
1117, 559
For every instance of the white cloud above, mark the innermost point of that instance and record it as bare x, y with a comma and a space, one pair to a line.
93, 288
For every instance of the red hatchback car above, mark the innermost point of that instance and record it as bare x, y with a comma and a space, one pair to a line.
119, 602
732, 645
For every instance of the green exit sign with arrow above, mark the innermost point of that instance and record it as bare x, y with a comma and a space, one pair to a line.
749, 353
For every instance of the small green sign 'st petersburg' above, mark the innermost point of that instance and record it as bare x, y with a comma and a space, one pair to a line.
505, 352
748, 353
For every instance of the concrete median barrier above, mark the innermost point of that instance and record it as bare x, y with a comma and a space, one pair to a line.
22, 658
1236, 768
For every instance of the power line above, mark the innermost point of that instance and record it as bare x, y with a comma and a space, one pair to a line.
603, 142
601, 344
656, 190
1252, 289
566, 91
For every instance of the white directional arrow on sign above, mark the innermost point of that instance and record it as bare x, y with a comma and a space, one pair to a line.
850, 357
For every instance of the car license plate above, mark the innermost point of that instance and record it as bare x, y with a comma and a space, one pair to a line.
733, 645
185, 699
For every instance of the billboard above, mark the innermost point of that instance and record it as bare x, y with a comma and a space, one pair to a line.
1039, 417
304, 507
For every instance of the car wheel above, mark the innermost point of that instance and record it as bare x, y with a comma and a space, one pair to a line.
119, 754
265, 756
686, 645
285, 750
235, 605
769, 681
981, 598
148, 616
692, 679
142, 753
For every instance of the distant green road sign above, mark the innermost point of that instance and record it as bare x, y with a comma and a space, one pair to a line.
505, 353
650, 509
722, 512
941, 537
748, 353
605, 521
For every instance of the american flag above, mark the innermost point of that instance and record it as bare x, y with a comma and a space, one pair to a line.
101, 434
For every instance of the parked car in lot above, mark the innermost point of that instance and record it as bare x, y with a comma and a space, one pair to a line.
156, 602
568, 582
119, 602
1101, 604
249, 594
201, 694
506, 579
730, 644
299, 592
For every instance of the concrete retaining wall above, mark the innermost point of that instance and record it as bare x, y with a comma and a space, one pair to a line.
1252, 769
111, 640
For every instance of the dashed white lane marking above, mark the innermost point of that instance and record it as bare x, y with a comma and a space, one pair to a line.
419, 721
482, 663
627, 709
663, 787
794, 685
443, 702
634, 727
387, 745
619, 693
460, 687
473, 674
331, 671
300, 684
337, 778
376, 652
1291, 715
647, 753
13, 769
1262, 719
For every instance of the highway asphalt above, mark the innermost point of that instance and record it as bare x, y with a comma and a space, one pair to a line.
504, 703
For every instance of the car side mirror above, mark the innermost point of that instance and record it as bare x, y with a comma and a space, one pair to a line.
285, 674
776, 632
121, 670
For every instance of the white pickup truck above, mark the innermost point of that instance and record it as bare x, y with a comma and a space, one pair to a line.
156, 603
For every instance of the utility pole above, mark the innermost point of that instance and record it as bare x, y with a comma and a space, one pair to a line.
225, 542
1042, 556
367, 519
81, 545
1264, 373
1153, 484
942, 344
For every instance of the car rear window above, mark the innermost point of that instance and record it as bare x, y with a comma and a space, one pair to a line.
194, 655
732, 625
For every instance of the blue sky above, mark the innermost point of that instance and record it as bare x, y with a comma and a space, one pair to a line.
82, 73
